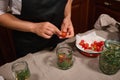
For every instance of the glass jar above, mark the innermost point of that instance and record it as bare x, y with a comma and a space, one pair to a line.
64, 57
20, 70
109, 60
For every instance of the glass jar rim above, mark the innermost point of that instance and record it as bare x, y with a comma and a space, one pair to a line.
64, 47
112, 44
18, 63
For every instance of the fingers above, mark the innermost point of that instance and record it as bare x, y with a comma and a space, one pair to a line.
49, 32
51, 29
47, 29
64, 27
46, 36
70, 33
54, 29
57, 31
68, 29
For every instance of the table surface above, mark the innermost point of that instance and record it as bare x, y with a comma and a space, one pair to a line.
43, 66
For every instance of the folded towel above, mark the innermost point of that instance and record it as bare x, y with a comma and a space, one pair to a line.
106, 22
1, 78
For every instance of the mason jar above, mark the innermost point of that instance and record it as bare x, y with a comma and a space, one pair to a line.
109, 60
64, 57
21, 70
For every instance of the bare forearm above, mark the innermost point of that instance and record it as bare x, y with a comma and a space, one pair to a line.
9, 21
43, 29
67, 12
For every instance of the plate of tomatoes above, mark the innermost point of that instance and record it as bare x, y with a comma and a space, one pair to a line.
90, 44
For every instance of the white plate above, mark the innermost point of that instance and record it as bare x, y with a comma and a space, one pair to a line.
89, 38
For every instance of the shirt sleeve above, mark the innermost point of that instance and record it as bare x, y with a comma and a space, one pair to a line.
3, 6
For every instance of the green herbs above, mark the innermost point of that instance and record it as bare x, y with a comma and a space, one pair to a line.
109, 61
64, 58
64, 61
23, 74
21, 70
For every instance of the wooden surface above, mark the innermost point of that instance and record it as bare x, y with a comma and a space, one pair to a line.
110, 7
80, 15
7, 51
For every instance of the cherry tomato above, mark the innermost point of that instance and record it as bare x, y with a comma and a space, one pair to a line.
61, 56
64, 34
101, 43
90, 48
95, 46
81, 42
98, 48
86, 46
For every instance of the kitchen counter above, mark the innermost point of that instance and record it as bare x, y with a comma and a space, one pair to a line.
42, 65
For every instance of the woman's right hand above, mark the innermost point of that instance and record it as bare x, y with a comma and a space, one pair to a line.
45, 29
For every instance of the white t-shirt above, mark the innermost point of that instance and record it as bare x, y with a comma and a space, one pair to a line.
15, 6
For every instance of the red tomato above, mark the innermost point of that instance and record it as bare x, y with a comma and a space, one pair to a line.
95, 42
101, 43
95, 46
86, 46
61, 56
64, 34
90, 48
81, 42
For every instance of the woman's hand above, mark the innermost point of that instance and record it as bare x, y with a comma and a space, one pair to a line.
67, 27
45, 29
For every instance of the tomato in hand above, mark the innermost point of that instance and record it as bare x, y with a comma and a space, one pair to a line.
64, 34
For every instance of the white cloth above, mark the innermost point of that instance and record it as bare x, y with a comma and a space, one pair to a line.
105, 20
15, 6
1, 78
42, 66
108, 24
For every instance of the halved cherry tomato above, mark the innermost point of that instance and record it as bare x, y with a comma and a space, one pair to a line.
61, 56
81, 42
86, 46
95, 46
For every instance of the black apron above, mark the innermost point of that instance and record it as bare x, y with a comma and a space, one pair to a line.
38, 11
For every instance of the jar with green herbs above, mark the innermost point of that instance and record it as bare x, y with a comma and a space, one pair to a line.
109, 60
64, 58
21, 70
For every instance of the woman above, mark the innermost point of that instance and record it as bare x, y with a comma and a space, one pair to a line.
37, 24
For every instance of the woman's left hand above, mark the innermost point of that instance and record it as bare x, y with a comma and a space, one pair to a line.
67, 27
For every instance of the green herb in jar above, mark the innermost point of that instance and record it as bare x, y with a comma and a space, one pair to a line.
23, 75
109, 60
64, 61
